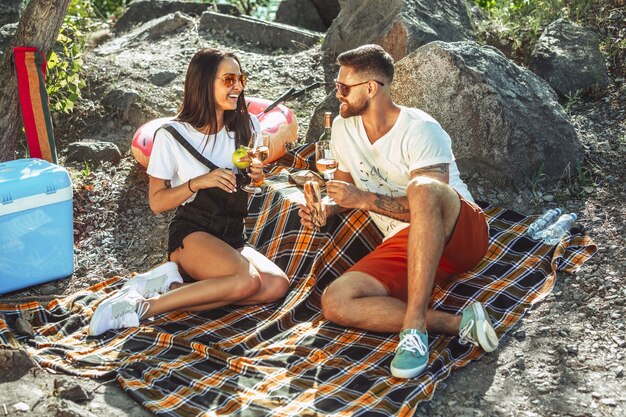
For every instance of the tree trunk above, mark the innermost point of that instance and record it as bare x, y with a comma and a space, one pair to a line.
38, 27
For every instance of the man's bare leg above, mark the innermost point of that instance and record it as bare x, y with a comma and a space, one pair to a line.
435, 208
360, 301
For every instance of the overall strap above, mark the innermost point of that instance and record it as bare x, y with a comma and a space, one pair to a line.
193, 151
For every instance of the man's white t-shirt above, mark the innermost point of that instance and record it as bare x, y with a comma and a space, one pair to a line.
415, 141
170, 161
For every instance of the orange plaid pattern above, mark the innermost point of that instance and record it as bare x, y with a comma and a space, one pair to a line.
285, 359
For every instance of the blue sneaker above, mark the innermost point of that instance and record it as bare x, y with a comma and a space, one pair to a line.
476, 328
411, 355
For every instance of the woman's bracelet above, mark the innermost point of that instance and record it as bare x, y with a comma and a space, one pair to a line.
189, 186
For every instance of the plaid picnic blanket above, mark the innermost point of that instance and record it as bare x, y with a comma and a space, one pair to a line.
285, 359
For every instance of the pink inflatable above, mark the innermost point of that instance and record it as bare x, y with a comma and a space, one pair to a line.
280, 123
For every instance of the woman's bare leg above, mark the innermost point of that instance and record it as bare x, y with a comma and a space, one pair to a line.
224, 276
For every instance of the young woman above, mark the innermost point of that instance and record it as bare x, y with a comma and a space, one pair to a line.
191, 170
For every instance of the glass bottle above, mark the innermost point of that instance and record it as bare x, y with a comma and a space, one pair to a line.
328, 121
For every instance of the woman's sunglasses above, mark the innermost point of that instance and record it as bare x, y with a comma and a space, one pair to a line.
344, 89
230, 79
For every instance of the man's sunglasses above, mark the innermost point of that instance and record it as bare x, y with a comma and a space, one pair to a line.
344, 89
230, 79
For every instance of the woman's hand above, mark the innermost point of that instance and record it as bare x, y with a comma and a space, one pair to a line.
256, 171
218, 178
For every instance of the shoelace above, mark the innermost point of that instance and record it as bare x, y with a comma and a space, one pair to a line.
465, 334
142, 308
130, 316
413, 343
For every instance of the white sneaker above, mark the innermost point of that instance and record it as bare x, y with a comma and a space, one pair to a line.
123, 309
156, 281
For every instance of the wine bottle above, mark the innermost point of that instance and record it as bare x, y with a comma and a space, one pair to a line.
328, 120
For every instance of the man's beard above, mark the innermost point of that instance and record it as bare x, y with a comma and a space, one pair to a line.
351, 110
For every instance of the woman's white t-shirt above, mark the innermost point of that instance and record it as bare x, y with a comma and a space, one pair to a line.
170, 161
415, 141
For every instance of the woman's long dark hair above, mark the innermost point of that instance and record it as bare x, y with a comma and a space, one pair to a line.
198, 107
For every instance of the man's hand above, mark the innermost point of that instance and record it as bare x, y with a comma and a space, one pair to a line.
345, 194
305, 216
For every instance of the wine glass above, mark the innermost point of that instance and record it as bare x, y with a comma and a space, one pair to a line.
258, 152
325, 163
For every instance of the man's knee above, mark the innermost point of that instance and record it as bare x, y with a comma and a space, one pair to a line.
426, 193
336, 298
332, 305
425, 189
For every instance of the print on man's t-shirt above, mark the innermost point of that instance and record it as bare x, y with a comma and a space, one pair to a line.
376, 181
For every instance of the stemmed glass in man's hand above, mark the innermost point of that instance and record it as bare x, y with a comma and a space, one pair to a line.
325, 163
257, 154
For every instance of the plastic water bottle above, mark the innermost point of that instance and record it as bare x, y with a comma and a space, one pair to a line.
553, 234
545, 220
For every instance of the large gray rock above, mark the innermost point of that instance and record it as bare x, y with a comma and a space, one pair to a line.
10, 11
568, 57
505, 122
141, 11
153, 29
327, 9
300, 13
271, 35
93, 151
316, 125
399, 26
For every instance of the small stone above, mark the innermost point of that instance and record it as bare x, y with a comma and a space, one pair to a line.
608, 401
520, 335
23, 327
548, 197
619, 342
21, 407
75, 393
619, 372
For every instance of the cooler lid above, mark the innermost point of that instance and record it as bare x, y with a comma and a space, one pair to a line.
29, 177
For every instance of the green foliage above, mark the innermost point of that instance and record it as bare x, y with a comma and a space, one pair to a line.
572, 100
65, 63
85, 172
519, 23
536, 179
261, 9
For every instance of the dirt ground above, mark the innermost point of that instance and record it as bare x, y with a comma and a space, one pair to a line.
565, 358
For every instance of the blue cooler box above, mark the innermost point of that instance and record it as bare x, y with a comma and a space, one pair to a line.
36, 227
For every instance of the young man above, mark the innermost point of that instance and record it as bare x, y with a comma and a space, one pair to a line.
397, 163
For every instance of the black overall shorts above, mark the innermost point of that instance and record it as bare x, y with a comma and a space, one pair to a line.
213, 210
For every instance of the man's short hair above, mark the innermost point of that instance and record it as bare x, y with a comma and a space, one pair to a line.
370, 59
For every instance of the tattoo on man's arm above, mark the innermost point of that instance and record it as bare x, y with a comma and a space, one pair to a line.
391, 207
168, 183
437, 169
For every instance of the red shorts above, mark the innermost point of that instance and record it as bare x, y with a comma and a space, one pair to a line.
465, 249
